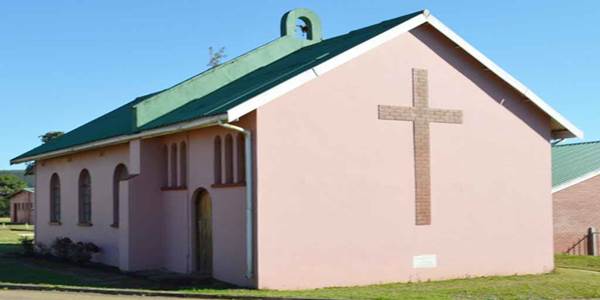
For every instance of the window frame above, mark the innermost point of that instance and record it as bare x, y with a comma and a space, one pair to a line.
54, 207
85, 198
229, 179
218, 161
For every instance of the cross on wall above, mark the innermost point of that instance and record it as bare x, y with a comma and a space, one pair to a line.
421, 115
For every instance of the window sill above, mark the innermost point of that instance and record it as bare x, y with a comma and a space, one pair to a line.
176, 188
84, 224
114, 225
228, 185
55, 223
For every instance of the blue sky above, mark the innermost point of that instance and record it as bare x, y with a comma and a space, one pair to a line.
63, 63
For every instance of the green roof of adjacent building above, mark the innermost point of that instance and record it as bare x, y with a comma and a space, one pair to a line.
573, 161
217, 90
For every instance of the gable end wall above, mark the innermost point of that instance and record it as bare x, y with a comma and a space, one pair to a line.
335, 185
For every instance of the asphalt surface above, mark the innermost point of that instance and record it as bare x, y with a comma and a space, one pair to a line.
45, 295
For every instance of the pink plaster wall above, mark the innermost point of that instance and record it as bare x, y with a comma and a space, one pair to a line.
145, 206
101, 165
335, 190
228, 210
156, 224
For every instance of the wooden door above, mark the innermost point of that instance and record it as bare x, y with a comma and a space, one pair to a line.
204, 234
14, 216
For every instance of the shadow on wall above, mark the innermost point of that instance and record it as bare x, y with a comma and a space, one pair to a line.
17, 268
486, 80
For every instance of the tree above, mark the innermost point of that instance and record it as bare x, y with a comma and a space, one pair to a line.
46, 137
9, 184
215, 57
50, 135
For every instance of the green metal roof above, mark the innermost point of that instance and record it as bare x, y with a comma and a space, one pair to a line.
122, 121
572, 161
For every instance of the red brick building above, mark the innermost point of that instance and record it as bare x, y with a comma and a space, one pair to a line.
576, 193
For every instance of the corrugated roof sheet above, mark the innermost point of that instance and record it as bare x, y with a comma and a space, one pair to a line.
571, 161
120, 121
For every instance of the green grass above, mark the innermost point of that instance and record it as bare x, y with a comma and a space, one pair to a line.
561, 284
577, 262
573, 279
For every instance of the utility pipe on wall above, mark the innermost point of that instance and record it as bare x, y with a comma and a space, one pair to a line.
249, 194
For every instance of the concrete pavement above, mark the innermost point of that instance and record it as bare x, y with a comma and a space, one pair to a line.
49, 295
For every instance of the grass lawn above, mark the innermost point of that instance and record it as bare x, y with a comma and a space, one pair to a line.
574, 278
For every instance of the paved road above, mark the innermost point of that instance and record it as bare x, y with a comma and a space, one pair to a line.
37, 295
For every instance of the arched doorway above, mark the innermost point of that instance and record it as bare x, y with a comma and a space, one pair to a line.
203, 232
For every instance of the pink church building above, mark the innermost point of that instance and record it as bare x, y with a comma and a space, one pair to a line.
395, 152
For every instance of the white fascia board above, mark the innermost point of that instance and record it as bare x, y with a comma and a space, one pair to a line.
308, 75
425, 17
504, 76
272, 93
369, 44
203, 122
330, 64
575, 181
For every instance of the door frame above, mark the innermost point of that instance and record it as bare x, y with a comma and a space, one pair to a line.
196, 198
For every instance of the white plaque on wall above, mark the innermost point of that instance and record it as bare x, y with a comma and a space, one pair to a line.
425, 261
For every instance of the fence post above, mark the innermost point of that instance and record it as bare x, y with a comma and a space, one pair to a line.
592, 242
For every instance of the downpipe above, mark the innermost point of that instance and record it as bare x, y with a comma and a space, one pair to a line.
249, 193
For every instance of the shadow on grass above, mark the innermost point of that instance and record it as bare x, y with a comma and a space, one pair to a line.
17, 268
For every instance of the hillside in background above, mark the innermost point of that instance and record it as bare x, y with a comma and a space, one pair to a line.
30, 179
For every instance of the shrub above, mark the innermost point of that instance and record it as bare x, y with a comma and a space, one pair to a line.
43, 250
28, 246
80, 252
61, 247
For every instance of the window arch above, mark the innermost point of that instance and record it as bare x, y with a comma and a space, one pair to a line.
228, 159
85, 198
173, 165
54, 198
241, 158
183, 164
217, 160
119, 175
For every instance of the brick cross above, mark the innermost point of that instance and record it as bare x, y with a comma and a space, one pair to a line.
421, 115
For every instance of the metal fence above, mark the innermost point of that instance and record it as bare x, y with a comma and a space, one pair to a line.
586, 245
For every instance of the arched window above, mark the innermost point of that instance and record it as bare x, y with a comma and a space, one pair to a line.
164, 166
182, 164
85, 198
54, 198
228, 159
173, 165
120, 174
241, 158
217, 160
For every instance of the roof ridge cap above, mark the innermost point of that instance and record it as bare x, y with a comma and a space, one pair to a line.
212, 79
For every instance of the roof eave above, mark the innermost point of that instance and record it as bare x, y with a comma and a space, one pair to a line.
178, 127
566, 124
247, 106
565, 133
568, 129
575, 181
